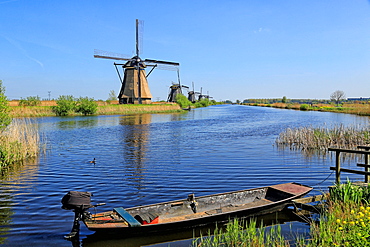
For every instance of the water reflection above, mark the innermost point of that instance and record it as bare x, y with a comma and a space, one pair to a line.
73, 123
134, 145
10, 178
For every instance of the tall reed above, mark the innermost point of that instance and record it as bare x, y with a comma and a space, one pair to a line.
237, 234
19, 141
308, 138
346, 220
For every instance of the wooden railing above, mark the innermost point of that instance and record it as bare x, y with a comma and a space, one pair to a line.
366, 164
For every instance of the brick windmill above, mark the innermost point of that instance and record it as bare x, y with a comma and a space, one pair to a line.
135, 88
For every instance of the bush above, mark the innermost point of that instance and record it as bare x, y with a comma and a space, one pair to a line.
304, 107
66, 104
86, 106
30, 101
202, 103
182, 101
5, 118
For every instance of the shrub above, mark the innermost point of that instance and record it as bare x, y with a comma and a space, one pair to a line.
202, 103
304, 107
86, 106
182, 101
66, 104
5, 118
30, 101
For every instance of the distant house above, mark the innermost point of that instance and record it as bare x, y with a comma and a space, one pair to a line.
358, 99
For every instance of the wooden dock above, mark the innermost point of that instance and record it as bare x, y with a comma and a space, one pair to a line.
338, 169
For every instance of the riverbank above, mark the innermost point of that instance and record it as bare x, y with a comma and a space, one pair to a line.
103, 109
344, 221
357, 109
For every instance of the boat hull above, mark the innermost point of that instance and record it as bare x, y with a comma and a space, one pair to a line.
218, 208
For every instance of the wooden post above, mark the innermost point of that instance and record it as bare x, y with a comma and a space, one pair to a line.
366, 167
367, 148
337, 166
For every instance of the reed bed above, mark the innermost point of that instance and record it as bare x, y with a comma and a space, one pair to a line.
21, 140
239, 234
310, 138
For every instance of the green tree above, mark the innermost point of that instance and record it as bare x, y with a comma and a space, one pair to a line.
30, 101
5, 118
284, 99
86, 106
66, 104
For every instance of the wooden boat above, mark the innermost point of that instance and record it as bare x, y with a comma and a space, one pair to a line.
192, 212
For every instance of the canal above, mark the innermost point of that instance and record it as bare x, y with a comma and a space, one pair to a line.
150, 158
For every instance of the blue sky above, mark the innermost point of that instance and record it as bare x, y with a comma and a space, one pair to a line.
232, 49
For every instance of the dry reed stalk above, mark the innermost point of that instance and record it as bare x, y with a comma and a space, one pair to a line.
19, 141
309, 138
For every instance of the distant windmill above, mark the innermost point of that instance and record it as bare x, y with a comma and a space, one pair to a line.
135, 88
175, 89
192, 94
206, 96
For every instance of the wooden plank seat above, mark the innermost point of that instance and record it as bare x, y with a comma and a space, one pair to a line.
127, 217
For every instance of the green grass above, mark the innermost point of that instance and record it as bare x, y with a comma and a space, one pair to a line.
344, 222
242, 234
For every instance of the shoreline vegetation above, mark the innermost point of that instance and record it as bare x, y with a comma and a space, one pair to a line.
45, 109
349, 108
344, 221
19, 141
308, 139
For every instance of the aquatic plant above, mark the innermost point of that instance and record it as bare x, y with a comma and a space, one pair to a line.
20, 140
242, 234
346, 221
320, 138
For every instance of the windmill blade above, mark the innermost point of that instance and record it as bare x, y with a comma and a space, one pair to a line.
139, 36
162, 66
110, 55
161, 62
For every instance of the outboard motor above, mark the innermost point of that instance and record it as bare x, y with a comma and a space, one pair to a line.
79, 202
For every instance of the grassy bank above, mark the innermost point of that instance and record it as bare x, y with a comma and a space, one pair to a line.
358, 109
108, 109
344, 222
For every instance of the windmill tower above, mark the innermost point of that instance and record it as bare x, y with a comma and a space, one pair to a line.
192, 95
134, 88
175, 89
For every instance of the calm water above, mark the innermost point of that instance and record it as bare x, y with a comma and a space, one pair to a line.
151, 158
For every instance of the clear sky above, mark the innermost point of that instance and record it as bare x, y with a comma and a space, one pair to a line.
232, 49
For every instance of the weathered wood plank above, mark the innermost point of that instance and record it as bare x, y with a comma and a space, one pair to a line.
351, 171
349, 151
311, 198
364, 147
